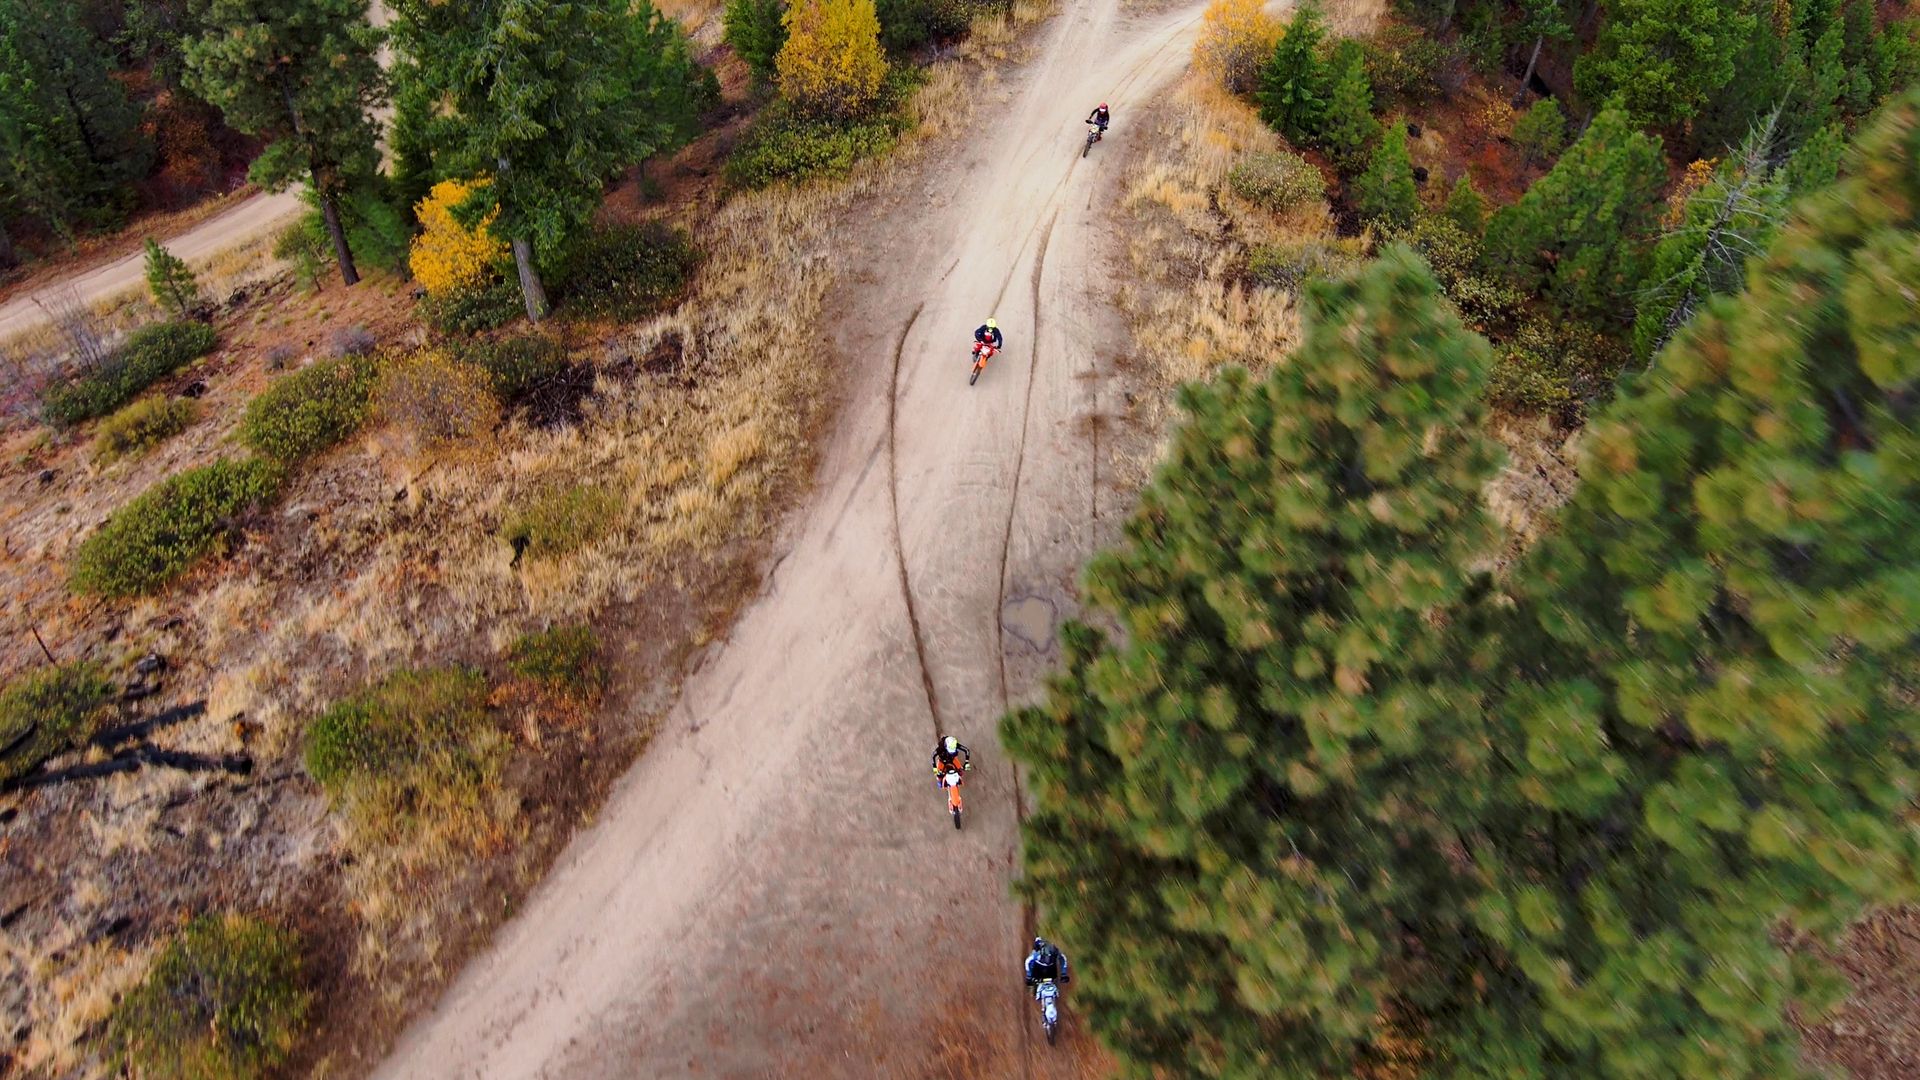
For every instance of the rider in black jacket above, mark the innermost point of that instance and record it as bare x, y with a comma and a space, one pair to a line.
1100, 117
1046, 961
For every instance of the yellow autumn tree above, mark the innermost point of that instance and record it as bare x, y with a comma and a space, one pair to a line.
832, 62
1236, 37
448, 255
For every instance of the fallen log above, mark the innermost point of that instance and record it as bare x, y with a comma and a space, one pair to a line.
135, 758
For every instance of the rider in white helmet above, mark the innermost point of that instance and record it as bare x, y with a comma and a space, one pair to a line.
951, 753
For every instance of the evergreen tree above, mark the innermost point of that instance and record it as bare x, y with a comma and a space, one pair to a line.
1385, 192
170, 280
1662, 59
410, 136
300, 74
1731, 218
1242, 813
756, 30
1541, 132
1350, 126
1768, 72
1581, 230
551, 100
70, 145
832, 62
1295, 83
1466, 208
1717, 646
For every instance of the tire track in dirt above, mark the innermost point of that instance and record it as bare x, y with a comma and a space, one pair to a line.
893, 508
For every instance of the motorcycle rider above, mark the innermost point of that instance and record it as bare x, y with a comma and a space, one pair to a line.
987, 333
951, 753
1100, 118
1046, 961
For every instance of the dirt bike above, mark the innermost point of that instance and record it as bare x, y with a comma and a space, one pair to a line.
982, 352
1093, 136
951, 779
1048, 995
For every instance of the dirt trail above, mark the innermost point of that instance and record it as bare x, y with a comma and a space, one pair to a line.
250, 218
775, 888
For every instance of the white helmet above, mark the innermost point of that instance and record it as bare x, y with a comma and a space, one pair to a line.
952, 744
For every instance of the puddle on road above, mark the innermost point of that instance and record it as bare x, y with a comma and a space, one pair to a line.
1031, 619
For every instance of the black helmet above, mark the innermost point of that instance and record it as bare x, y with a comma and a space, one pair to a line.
1040, 945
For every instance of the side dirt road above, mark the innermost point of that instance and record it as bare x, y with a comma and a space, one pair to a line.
776, 888
253, 216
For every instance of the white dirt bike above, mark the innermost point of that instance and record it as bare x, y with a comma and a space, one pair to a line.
1047, 993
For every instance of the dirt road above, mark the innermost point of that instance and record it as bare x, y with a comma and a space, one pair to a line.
775, 888
252, 217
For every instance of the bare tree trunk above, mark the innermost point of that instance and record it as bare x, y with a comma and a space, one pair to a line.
330, 213
530, 287
1525, 80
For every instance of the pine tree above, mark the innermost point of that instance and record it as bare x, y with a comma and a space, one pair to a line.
1716, 649
756, 30
1662, 59
551, 100
832, 63
70, 144
170, 280
1295, 83
1242, 813
1581, 230
1386, 192
1541, 132
1733, 217
1466, 208
300, 74
1350, 126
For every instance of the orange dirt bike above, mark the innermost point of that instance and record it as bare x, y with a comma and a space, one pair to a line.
951, 778
982, 352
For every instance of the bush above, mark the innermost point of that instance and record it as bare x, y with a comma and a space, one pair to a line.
1292, 265
495, 302
783, 146
565, 660
149, 355
1408, 67
306, 248
170, 281
49, 711
142, 426
832, 63
450, 256
627, 272
1486, 304
222, 1001
397, 725
1236, 37
354, 341
1277, 181
515, 366
563, 521
906, 25
1541, 132
1554, 366
162, 533
435, 402
309, 410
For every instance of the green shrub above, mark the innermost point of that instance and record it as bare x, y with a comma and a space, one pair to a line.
906, 25
564, 659
48, 711
1541, 132
150, 354
784, 146
399, 723
1277, 181
627, 272
159, 535
1291, 265
1408, 67
470, 310
309, 410
516, 365
1554, 366
563, 521
142, 426
222, 1001
306, 248
1487, 305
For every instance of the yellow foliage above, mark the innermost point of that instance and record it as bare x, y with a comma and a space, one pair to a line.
1691, 181
832, 61
447, 255
1236, 37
